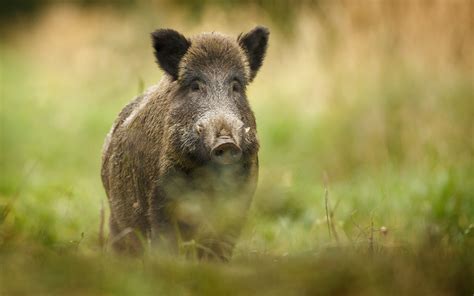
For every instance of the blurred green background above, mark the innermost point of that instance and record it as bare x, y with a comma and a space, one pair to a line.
365, 115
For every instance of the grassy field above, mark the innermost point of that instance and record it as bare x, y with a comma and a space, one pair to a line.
365, 116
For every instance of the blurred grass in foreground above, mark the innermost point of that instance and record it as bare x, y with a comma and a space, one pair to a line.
374, 100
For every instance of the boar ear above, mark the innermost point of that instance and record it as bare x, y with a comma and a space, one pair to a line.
255, 45
170, 46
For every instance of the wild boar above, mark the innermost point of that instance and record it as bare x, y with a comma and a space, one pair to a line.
181, 160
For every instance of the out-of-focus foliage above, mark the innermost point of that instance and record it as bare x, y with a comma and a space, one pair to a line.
282, 12
369, 100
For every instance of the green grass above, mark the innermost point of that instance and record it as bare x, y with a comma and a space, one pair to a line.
394, 150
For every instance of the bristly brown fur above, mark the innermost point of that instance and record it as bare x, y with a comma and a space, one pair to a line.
153, 155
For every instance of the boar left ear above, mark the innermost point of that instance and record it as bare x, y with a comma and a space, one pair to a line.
170, 46
255, 45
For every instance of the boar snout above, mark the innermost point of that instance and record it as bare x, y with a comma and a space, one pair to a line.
225, 151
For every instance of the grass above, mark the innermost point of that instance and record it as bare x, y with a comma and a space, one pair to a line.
358, 124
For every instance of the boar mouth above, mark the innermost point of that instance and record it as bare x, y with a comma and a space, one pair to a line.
226, 152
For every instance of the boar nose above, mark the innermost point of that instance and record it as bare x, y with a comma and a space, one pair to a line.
226, 151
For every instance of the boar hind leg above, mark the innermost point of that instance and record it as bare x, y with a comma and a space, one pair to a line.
125, 240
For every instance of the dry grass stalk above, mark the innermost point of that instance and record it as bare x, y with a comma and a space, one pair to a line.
329, 213
101, 227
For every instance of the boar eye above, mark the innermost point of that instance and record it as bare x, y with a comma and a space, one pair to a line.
236, 86
195, 86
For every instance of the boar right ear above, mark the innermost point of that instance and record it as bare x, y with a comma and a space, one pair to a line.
170, 46
255, 45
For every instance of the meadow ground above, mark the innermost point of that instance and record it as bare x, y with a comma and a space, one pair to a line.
365, 117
